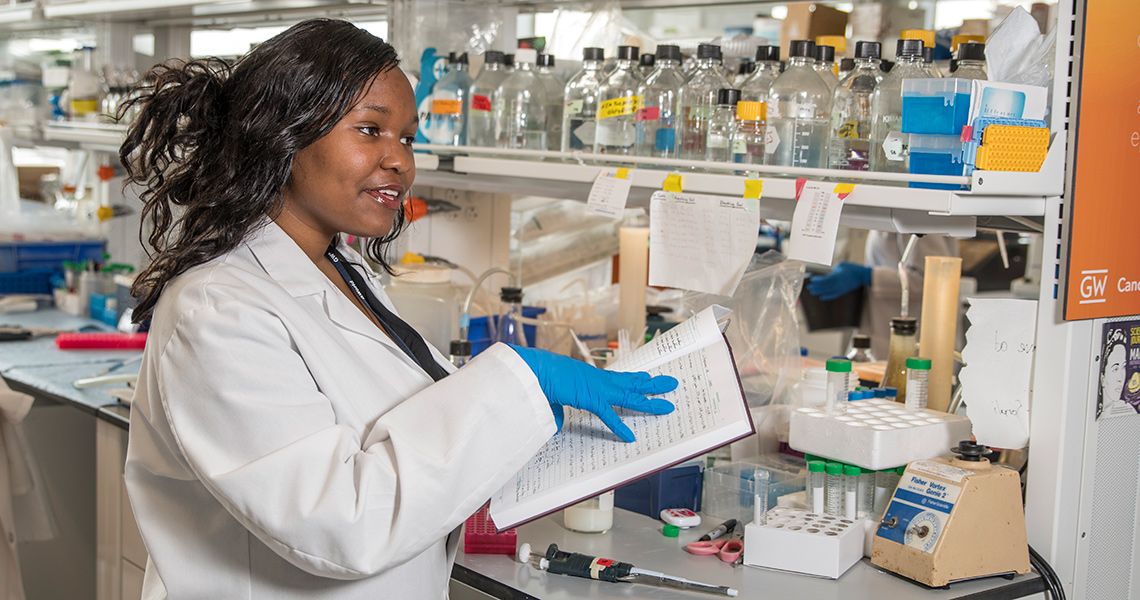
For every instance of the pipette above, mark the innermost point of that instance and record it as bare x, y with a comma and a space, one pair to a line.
607, 569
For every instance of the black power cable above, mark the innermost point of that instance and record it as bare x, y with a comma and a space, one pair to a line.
1048, 575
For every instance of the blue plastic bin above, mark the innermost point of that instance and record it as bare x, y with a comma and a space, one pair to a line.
678, 487
935, 106
29, 281
480, 335
25, 256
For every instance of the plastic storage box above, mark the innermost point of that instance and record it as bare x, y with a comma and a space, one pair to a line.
28, 281
678, 487
729, 488
935, 106
936, 155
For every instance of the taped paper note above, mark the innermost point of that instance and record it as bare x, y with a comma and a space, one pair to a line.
996, 380
815, 222
609, 194
701, 243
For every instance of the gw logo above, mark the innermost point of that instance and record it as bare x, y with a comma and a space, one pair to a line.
1093, 284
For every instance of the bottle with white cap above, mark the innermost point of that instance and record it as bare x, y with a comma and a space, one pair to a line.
520, 106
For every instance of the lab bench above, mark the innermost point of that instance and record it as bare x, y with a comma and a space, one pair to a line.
637, 539
101, 532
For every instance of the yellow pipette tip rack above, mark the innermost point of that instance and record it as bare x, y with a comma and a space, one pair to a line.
1013, 148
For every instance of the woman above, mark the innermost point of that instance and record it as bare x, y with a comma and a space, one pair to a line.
291, 437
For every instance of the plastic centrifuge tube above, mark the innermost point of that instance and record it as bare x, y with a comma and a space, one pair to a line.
866, 503
851, 475
917, 378
885, 483
838, 383
761, 479
833, 490
815, 491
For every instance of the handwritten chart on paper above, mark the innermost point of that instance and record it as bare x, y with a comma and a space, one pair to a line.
996, 380
815, 222
701, 243
609, 194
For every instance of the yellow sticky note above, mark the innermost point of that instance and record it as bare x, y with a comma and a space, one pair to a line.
622, 173
844, 188
753, 188
672, 183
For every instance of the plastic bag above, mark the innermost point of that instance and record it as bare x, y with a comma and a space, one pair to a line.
1016, 52
764, 330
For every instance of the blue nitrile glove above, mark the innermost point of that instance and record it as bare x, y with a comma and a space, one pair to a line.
569, 382
845, 277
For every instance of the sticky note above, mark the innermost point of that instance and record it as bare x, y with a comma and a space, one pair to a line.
753, 188
843, 189
622, 173
672, 183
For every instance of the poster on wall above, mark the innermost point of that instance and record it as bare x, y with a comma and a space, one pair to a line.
1119, 393
1102, 273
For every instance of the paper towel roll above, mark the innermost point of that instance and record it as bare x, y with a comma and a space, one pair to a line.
940, 325
633, 273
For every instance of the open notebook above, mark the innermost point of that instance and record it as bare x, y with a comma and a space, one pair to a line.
586, 459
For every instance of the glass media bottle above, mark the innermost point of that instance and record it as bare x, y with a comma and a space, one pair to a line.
552, 89
449, 104
799, 113
886, 103
971, 61
520, 106
580, 102
851, 114
480, 120
698, 99
618, 103
825, 65
660, 93
722, 126
748, 140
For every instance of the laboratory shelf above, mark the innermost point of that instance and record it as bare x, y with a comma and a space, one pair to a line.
206, 13
1010, 201
16, 14
102, 137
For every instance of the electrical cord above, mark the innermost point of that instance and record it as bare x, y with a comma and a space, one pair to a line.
1048, 575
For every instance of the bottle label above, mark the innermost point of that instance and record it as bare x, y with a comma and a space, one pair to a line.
619, 107
649, 113
446, 107
665, 140
739, 146
849, 130
771, 139
480, 102
574, 107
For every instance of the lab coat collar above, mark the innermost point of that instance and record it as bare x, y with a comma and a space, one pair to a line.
285, 262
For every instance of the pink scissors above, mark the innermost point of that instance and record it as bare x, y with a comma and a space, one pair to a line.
728, 550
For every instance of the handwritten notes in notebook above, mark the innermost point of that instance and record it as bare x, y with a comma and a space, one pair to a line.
701, 243
585, 459
997, 378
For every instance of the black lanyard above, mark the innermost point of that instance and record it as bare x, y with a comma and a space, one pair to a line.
404, 336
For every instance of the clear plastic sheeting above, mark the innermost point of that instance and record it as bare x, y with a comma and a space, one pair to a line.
764, 330
1016, 52
448, 26
597, 24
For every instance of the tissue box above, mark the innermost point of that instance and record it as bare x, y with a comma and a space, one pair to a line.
935, 106
936, 155
802, 542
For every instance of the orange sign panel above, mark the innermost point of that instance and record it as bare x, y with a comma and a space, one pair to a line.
1103, 273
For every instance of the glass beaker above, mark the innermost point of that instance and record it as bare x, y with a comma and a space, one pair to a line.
903, 345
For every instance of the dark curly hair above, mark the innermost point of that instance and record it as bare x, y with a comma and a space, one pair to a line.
213, 145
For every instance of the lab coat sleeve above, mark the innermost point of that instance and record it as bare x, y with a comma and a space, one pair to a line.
259, 434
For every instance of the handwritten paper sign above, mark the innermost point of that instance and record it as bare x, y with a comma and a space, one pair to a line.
815, 222
701, 243
997, 378
609, 194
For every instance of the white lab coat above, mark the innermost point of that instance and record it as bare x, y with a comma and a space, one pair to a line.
884, 298
14, 479
281, 446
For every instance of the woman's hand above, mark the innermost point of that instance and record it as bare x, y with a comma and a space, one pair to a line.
569, 382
